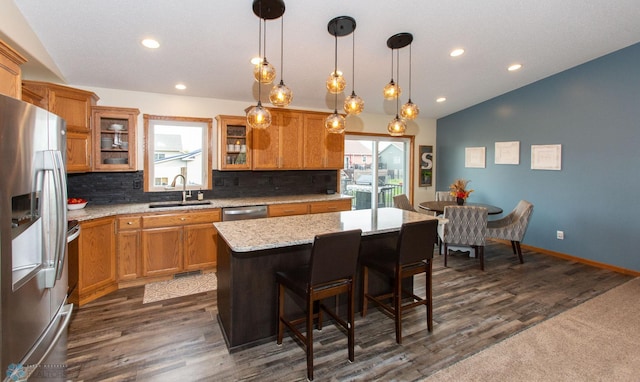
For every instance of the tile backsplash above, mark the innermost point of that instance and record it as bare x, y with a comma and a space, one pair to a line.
127, 187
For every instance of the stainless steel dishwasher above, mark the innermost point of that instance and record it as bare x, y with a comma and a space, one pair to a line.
243, 213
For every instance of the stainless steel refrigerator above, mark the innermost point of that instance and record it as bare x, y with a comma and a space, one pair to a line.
34, 314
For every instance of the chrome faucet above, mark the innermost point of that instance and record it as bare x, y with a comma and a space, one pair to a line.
184, 187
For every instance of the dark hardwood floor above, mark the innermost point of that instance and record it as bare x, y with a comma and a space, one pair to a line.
117, 338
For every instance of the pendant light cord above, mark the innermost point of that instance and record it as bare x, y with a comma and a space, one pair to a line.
410, 72
259, 54
353, 62
397, 79
282, 49
335, 72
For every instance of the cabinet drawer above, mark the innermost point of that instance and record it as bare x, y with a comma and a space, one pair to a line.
178, 219
128, 223
330, 206
288, 209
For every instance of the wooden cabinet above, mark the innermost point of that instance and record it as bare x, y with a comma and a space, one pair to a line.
280, 145
234, 141
95, 265
322, 150
74, 106
289, 209
330, 206
114, 138
10, 71
129, 247
181, 241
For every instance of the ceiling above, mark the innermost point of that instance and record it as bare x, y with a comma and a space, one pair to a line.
207, 46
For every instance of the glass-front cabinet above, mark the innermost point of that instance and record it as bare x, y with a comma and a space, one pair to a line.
234, 139
114, 142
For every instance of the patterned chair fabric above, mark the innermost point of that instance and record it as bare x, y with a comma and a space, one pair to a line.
442, 196
401, 201
467, 226
512, 227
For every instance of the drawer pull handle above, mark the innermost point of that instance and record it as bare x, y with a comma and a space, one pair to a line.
183, 219
130, 223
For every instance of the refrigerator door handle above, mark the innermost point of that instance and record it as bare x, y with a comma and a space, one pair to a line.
55, 164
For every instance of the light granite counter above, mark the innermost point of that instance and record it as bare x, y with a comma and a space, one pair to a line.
95, 212
259, 234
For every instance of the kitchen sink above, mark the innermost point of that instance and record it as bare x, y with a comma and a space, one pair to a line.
179, 204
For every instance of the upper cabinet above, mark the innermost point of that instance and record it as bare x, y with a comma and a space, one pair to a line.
10, 72
234, 140
114, 138
279, 147
74, 106
296, 140
322, 150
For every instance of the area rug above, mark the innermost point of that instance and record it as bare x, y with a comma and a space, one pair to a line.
595, 341
178, 287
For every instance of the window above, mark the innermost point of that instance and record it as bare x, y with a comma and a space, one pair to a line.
376, 169
177, 146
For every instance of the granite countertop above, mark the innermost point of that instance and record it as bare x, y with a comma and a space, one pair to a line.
95, 212
259, 234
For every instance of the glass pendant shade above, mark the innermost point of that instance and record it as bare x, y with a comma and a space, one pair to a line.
392, 90
353, 105
409, 110
280, 95
258, 117
334, 123
264, 72
336, 83
397, 127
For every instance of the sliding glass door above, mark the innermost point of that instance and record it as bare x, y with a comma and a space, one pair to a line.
375, 170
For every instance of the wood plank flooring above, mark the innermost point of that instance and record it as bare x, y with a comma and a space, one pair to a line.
117, 338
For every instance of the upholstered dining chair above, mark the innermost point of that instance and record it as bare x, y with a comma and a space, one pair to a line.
466, 226
331, 270
401, 201
411, 255
444, 196
512, 227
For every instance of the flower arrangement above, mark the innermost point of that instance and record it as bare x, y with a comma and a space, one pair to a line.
459, 189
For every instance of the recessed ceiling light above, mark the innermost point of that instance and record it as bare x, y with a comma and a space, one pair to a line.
151, 43
456, 52
441, 99
181, 86
514, 67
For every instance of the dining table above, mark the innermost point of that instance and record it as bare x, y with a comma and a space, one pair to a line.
438, 206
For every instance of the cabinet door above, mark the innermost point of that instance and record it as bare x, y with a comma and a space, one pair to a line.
129, 255
314, 141
234, 143
330, 206
72, 105
266, 147
200, 246
161, 251
288, 209
96, 257
291, 140
334, 151
78, 152
114, 138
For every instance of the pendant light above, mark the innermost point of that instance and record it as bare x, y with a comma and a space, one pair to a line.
353, 105
258, 117
281, 95
409, 110
397, 126
339, 26
391, 90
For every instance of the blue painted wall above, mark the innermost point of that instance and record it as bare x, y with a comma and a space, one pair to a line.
593, 110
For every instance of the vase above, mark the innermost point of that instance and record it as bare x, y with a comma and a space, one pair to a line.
460, 201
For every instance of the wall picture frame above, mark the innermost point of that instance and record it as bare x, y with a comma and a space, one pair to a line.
425, 176
474, 157
507, 152
546, 157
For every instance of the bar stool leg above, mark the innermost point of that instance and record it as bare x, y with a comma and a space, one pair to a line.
365, 290
397, 299
309, 337
280, 313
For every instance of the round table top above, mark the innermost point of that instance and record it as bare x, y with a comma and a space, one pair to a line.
438, 207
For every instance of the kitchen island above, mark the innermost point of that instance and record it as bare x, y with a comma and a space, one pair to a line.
251, 251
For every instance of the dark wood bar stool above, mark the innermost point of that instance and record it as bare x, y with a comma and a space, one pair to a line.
333, 264
412, 255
